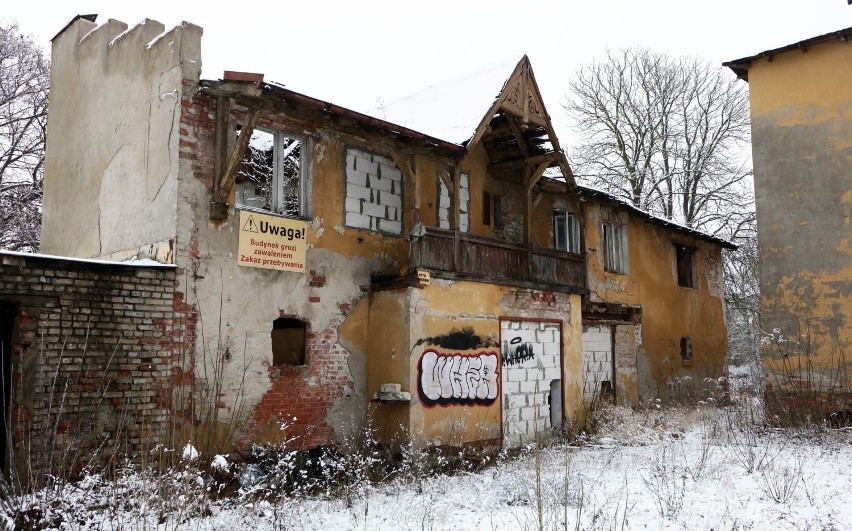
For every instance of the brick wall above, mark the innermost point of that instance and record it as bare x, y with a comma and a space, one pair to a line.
98, 354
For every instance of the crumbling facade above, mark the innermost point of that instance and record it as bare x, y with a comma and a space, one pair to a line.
801, 116
345, 271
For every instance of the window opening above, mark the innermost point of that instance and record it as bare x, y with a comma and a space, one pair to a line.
498, 211
288, 341
486, 208
566, 232
685, 256
686, 348
272, 174
615, 247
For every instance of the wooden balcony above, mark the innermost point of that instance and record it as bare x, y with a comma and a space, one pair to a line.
463, 256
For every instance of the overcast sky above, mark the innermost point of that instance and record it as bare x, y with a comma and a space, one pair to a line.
352, 53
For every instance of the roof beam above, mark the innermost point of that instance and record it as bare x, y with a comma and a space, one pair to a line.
225, 182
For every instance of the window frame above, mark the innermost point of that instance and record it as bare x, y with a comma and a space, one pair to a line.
614, 238
278, 195
570, 224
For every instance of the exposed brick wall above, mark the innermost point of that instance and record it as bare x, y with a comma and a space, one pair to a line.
97, 351
302, 396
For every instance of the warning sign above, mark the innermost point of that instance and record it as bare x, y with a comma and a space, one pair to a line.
271, 242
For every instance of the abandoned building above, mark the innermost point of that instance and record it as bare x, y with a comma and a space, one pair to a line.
801, 119
327, 268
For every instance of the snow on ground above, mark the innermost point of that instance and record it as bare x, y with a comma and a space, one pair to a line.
690, 469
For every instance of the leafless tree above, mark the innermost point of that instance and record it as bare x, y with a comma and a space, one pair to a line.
24, 82
667, 134
671, 136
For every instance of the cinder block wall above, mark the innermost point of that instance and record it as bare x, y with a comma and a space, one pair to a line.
99, 353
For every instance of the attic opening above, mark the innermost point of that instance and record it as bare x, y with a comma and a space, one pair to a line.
288, 341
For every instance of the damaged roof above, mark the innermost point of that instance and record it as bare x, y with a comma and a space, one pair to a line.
741, 66
450, 109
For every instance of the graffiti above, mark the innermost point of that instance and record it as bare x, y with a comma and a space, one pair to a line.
458, 379
515, 352
464, 339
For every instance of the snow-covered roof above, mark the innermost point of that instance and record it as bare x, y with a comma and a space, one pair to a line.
450, 110
145, 262
587, 191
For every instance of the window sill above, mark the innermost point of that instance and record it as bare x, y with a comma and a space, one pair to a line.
685, 363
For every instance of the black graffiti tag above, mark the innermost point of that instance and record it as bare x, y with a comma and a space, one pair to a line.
516, 352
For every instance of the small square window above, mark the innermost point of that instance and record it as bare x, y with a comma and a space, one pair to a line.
273, 173
566, 232
615, 247
288, 341
685, 257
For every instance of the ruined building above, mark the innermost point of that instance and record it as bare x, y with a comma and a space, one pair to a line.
801, 119
447, 282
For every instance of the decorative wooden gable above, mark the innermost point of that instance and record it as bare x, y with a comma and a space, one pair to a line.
517, 134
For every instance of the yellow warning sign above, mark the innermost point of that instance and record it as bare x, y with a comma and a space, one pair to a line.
272, 242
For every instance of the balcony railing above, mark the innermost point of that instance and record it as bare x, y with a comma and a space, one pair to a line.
491, 260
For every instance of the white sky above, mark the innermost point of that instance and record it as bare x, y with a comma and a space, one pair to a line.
352, 53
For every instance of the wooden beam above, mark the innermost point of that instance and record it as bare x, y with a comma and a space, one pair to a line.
219, 209
412, 178
226, 181
519, 137
448, 180
534, 176
529, 205
537, 196
550, 158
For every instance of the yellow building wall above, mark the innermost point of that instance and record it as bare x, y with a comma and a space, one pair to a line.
669, 311
801, 106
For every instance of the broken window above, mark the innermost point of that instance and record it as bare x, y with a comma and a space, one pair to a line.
288, 341
566, 231
272, 175
685, 257
686, 349
615, 247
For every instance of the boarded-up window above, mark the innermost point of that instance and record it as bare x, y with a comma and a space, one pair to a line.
685, 256
288, 341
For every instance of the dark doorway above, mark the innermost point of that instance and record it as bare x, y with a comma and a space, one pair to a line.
7, 325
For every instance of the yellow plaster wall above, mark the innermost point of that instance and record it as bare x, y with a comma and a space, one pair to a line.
801, 106
669, 311
446, 306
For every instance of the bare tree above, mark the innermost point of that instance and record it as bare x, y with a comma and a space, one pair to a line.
667, 134
24, 82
